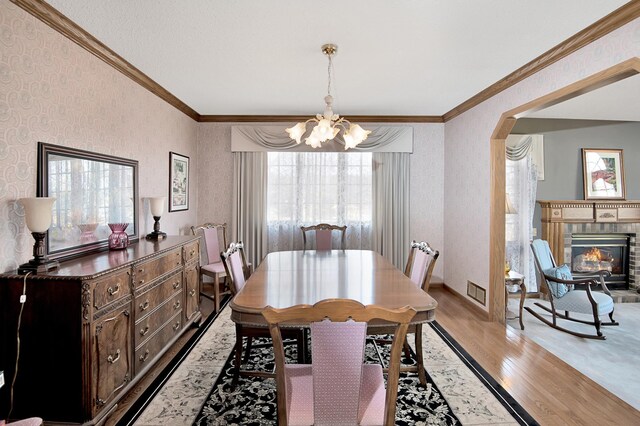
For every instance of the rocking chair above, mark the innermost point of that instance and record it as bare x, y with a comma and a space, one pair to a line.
560, 285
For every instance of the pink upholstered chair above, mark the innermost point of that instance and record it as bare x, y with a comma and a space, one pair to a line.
238, 271
337, 388
422, 260
324, 234
211, 264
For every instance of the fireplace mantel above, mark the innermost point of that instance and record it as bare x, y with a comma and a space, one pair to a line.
561, 218
578, 211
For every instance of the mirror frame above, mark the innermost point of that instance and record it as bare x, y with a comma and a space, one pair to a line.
44, 151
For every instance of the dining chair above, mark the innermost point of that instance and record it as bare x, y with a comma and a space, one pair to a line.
238, 271
337, 388
422, 259
564, 294
324, 235
212, 265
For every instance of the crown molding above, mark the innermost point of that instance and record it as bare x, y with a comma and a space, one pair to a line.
294, 118
50, 16
598, 29
65, 26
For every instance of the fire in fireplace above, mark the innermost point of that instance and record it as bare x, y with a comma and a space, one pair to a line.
591, 253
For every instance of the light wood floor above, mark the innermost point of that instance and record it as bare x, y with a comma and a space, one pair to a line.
550, 390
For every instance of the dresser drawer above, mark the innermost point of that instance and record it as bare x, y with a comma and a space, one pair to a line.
147, 271
147, 301
146, 354
191, 252
111, 288
148, 326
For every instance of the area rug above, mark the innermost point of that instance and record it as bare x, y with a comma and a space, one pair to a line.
198, 392
253, 402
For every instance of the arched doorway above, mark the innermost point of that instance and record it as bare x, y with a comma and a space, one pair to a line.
504, 126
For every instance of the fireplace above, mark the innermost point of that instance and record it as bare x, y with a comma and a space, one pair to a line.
591, 253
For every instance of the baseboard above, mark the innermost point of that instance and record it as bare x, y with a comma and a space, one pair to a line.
436, 285
475, 308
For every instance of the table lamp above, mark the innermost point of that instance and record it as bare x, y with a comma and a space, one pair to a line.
156, 205
37, 214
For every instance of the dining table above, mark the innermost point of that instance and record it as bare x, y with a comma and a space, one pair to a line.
304, 277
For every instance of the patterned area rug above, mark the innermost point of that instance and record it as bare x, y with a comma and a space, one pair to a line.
253, 402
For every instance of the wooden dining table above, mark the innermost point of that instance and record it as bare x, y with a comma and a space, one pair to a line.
289, 278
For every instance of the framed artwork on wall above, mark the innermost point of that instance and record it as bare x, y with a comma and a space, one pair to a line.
178, 182
603, 174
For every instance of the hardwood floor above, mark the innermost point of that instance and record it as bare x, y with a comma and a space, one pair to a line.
551, 391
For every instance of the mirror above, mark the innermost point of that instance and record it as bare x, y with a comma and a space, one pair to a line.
91, 190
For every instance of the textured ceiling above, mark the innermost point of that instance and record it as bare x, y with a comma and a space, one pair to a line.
404, 57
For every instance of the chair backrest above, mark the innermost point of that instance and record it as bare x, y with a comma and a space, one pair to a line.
210, 233
324, 234
542, 255
235, 265
422, 260
338, 349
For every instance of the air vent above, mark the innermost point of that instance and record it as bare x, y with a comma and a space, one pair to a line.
477, 293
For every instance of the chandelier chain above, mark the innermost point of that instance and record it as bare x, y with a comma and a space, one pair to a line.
329, 67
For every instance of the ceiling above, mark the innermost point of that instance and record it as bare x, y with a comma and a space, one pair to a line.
617, 101
406, 57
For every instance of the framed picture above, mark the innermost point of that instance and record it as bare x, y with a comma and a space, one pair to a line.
603, 174
178, 182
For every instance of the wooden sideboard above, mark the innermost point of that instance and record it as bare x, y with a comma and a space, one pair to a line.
91, 329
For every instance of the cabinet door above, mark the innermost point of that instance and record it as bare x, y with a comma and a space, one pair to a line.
111, 355
192, 293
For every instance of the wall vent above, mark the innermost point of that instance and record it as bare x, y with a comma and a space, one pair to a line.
477, 293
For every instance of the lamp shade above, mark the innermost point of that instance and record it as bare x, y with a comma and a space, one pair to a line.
37, 212
156, 204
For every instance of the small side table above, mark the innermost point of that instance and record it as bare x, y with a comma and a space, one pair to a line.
515, 278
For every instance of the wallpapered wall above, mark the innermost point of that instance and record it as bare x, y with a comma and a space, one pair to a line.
467, 152
53, 91
215, 174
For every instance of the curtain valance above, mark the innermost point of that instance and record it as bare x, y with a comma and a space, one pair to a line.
274, 138
521, 146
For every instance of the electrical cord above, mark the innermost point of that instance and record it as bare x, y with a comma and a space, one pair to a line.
23, 299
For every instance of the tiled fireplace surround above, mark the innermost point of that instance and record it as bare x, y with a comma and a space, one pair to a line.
562, 219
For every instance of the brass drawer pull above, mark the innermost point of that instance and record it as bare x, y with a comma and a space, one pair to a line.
141, 282
111, 291
176, 305
176, 285
144, 331
145, 305
192, 252
141, 270
192, 292
176, 326
144, 357
111, 359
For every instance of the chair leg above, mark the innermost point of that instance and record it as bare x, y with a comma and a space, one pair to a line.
238, 350
300, 346
406, 349
248, 350
216, 292
613, 322
419, 357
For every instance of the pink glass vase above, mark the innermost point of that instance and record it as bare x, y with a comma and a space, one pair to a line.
118, 239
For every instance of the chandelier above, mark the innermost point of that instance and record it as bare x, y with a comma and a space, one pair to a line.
328, 124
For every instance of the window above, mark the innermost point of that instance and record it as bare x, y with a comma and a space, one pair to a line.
310, 188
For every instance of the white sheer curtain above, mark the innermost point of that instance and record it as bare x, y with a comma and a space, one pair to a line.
311, 188
521, 178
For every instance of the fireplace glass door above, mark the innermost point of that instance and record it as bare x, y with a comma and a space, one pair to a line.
591, 253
